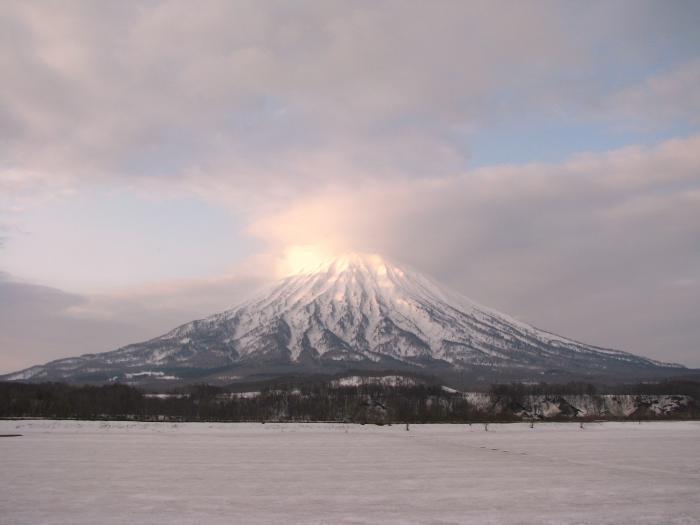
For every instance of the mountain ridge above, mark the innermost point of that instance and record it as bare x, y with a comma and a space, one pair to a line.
356, 309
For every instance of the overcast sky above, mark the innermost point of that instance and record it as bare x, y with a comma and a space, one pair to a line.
160, 160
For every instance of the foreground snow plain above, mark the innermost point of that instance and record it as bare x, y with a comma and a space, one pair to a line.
123, 472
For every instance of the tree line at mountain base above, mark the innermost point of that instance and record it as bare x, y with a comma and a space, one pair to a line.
325, 401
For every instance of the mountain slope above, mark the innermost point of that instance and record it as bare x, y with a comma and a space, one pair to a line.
355, 310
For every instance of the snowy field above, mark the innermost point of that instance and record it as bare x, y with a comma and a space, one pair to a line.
118, 472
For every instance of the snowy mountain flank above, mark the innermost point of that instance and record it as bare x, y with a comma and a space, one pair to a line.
356, 311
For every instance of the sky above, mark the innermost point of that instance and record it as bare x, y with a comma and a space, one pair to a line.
160, 161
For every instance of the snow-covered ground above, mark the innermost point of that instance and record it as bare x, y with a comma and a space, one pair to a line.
119, 472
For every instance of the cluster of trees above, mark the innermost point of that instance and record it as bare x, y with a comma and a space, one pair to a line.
59, 400
521, 390
681, 387
311, 401
316, 402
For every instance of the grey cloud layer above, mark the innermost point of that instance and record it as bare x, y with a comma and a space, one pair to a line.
227, 94
40, 323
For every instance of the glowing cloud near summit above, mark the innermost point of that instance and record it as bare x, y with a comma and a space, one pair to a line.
300, 258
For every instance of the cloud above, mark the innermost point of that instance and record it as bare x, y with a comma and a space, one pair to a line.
603, 247
258, 101
40, 323
663, 99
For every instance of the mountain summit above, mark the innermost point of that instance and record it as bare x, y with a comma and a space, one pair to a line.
355, 311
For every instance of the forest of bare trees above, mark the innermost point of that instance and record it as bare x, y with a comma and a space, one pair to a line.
312, 401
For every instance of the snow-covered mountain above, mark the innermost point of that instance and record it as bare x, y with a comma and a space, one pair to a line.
355, 311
